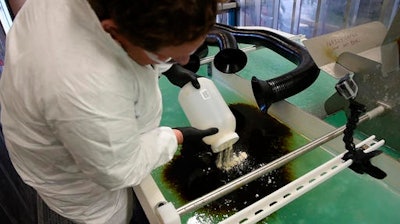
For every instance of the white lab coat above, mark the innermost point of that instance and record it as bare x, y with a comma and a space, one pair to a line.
80, 118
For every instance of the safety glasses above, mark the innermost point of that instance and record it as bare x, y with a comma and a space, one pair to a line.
155, 58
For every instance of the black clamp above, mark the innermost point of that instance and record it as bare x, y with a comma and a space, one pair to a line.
362, 163
361, 160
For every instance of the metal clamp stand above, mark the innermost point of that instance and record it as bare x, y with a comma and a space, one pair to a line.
361, 160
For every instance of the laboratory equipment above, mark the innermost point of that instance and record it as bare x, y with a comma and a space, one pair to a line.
298, 120
205, 108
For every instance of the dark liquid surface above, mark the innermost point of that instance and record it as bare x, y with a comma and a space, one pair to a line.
194, 173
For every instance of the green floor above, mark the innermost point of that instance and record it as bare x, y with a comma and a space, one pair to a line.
347, 198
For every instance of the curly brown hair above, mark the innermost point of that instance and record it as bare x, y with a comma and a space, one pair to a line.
155, 24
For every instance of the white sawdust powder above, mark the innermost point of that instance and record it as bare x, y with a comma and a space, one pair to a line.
227, 159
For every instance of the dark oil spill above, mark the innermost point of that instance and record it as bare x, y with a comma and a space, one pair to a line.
193, 173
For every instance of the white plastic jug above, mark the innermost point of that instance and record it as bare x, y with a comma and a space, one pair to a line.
205, 108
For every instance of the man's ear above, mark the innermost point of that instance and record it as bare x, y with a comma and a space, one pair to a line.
110, 27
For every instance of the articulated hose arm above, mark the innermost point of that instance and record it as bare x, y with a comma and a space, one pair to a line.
276, 89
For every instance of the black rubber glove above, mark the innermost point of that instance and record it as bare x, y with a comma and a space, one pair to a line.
191, 134
179, 76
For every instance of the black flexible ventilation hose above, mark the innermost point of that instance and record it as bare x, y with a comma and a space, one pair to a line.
267, 92
194, 61
230, 59
202, 51
193, 64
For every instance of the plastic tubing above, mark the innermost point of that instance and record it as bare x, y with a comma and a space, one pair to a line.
230, 59
269, 91
194, 61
